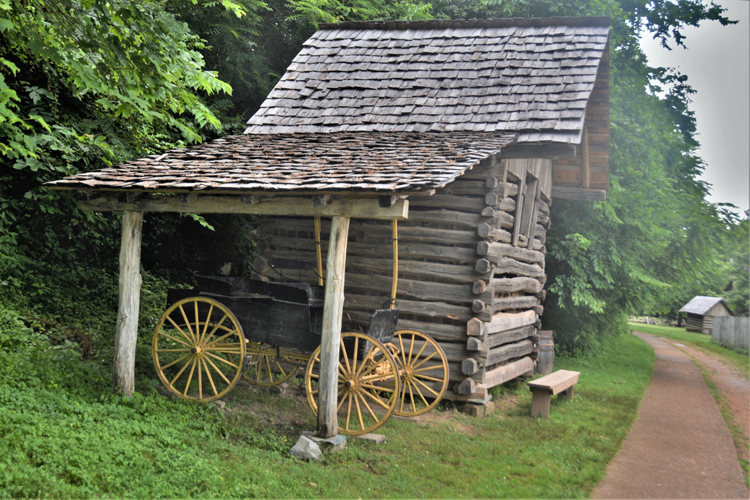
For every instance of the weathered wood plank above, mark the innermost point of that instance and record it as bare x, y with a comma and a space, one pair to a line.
406, 250
362, 208
413, 289
492, 233
437, 331
508, 321
333, 308
508, 285
498, 339
509, 266
508, 372
422, 308
495, 200
471, 204
488, 310
130, 299
508, 351
501, 219
495, 250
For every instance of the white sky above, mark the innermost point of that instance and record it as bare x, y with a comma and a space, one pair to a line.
717, 63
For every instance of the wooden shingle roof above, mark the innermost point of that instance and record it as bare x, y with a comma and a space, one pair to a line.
701, 305
306, 162
529, 76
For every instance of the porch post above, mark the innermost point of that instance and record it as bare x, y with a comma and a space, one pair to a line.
331, 336
130, 298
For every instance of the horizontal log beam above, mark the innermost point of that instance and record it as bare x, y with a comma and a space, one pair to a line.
494, 251
492, 233
549, 151
508, 372
361, 208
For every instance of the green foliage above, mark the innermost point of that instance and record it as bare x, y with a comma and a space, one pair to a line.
66, 435
655, 239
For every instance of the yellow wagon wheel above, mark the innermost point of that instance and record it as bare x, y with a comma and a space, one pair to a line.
198, 349
423, 369
269, 366
368, 384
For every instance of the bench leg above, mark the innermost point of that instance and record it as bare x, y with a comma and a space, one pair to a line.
568, 393
540, 402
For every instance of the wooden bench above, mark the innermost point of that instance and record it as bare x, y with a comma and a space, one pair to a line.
562, 381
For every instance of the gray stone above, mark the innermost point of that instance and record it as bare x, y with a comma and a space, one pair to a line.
306, 449
336, 443
372, 438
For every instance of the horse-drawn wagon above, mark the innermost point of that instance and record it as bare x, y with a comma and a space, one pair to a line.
227, 328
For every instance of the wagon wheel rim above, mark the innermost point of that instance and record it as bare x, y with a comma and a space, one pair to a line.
198, 348
266, 368
423, 370
368, 384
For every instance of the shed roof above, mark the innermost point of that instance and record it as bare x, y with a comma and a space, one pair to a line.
306, 162
701, 305
531, 76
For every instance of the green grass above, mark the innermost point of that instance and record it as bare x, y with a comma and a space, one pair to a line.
63, 434
740, 361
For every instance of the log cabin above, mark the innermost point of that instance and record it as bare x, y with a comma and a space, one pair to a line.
465, 131
701, 311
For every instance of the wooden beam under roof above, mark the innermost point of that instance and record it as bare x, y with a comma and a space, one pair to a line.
359, 208
551, 151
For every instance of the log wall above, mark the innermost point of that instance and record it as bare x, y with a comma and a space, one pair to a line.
461, 278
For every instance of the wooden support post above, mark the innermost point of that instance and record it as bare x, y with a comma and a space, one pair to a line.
130, 299
331, 336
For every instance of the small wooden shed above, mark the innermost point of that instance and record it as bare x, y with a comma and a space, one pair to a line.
700, 313
462, 130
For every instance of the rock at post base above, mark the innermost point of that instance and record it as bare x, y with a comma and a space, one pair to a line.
306, 449
336, 443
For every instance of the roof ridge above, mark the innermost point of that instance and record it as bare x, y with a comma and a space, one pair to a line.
468, 23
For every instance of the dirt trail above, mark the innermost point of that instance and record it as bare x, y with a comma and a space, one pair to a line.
733, 387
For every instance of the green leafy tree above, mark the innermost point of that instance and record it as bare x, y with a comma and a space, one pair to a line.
83, 85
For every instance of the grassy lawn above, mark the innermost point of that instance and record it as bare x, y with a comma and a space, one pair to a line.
65, 435
700, 341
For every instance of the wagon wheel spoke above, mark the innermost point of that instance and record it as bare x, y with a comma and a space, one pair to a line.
223, 360
175, 340
190, 378
200, 380
342, 349
377, 388
359, 410
356, 390
175, 361
416, 381
207, 347
361, 395
375, 398
425, 360
187, 324
423, 373
223, 337
177, 327
348, 412
221, 374
210, 379
272, 366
